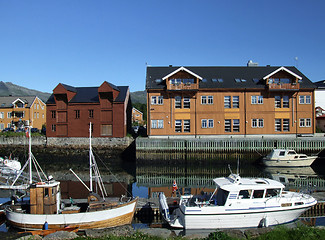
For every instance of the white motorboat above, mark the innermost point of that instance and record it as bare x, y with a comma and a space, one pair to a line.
10, 163
45, 208
287, 158
238, 203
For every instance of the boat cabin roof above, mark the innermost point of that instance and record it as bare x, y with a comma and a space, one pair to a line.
282, 152
46, 184
236, 183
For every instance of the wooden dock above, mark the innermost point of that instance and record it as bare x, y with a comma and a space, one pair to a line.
226, 145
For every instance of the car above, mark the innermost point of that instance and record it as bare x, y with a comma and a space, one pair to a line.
8, 130
34, 130
20, 130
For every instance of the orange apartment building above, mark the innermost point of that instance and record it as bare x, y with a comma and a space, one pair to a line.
21, 111
207, 101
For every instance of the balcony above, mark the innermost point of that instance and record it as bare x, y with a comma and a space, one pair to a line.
283, 86
183, 86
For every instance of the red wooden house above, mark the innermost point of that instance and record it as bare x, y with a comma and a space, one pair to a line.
71, 109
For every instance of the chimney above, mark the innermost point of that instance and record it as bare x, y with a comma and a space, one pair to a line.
252, 64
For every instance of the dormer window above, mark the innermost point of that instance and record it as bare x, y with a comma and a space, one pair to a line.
19, 105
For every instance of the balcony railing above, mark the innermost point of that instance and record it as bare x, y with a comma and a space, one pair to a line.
284, 86
182, 86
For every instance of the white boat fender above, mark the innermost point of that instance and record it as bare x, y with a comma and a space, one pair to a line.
163, 206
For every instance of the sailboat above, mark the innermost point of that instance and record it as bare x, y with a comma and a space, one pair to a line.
45, 208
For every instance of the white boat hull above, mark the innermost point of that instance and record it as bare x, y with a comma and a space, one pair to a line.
305, 162
116, 216
235, 219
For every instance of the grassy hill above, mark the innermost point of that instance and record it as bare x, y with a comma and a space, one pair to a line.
139, 97
8, 88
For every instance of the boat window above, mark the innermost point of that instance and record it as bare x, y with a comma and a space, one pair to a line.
302, 156
296, 156
299, 203
46, 192
222, 196
272, 192
258, 193
282, 153
260, 182
244, 194
291, 153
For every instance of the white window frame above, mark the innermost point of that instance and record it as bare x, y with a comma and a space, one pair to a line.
277, 101
210, 123
308, 122
285, 102
204, 123
285, 125
9, 114
278, 124
236, 125
160, 100
227, 125
227, 101
210, 99
235, 101
160, 124
178, 102
187, 125
154, 124
2, 115
186, 102
178, 125
307, 99
204, 100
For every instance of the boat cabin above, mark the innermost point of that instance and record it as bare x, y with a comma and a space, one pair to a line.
283, 153
45, 197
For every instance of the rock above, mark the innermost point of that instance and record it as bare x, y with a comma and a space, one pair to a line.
30, 237
235, 233
158, 232
61, 235
255, 232
126, 230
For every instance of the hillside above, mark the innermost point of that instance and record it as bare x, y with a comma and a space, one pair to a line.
139, 97
8, 88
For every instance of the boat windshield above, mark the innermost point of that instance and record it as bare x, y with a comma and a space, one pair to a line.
222, 196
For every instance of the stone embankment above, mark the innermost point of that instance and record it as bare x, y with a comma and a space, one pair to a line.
120, 143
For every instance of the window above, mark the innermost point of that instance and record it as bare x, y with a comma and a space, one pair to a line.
53, 114
53, 127
207, 123
187, 125
286, 125
285, 102
186, 102
2, 115
2, 126
235, 125
235, 101
157, 100
157, 123
77, 114
257, 123
178, 125
9, 114
91, 113
277, 101
210, 99
257, 99
106, 130
227, 125
206, 99
227, 101
282, 125
203, 99
244, 194
258, 193
305, 122
204, 123
304, 99
278, 125
210, 123
178, 102
19, 105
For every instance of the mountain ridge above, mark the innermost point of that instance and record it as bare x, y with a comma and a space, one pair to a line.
10, 89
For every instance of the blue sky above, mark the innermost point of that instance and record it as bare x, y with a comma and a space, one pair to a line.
85, 42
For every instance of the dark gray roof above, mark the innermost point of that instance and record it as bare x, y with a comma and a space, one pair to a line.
6, 102
69, 88
90, 94
320, 84
228, 74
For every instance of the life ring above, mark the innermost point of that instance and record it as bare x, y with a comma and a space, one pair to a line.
40, 183
6, 161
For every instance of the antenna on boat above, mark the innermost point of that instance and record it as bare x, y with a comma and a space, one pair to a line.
90, 162
229, 168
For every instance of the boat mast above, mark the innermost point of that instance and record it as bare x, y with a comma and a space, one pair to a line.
90, 162
30, 154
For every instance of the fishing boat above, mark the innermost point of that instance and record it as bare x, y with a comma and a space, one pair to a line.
238, 203
50, 231
287, 158
45, 204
